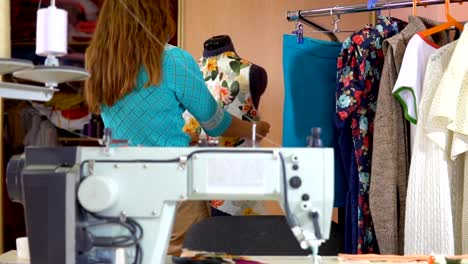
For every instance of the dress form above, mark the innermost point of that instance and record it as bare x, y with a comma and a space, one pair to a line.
257, 75
237, 85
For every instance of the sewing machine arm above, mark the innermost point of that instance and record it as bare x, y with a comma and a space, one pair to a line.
79, 202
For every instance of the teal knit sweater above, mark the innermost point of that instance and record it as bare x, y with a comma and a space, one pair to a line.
153, 116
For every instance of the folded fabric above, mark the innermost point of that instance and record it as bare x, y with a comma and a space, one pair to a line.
387, 258
212, 258
404, 259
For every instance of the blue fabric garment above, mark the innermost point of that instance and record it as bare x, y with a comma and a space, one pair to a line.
153, 116
309, 81
348, 160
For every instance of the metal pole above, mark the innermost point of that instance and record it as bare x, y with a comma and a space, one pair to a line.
341, 10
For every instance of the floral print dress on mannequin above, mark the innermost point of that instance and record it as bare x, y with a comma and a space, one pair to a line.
227, 77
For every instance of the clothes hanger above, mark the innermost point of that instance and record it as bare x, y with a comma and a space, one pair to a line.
336, 29
319, 28
451, 22
336, 21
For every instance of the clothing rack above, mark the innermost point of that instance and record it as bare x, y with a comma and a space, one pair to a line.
342, 10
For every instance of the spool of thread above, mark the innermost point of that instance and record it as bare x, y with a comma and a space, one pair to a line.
22, 248
51, 32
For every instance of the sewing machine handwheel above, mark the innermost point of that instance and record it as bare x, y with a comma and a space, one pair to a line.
97, 194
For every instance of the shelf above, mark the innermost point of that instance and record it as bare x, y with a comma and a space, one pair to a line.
52, 75
13, 65
26, 92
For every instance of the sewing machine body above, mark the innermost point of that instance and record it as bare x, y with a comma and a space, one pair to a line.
63, 189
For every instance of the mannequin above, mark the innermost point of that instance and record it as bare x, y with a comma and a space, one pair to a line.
257, 75
237, 85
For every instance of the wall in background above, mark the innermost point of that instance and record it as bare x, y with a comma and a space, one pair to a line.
256, 28
436, 12
5, 52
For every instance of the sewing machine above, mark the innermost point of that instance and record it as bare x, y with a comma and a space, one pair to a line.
118, 204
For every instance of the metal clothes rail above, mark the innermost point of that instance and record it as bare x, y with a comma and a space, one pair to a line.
341, 10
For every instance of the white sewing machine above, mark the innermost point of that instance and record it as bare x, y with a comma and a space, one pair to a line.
87, 203
107, 205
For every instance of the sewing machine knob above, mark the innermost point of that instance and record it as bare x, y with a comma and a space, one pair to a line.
295, 182
295, 167
97, 194
305, 197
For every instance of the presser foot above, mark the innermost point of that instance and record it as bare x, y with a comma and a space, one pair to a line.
314, 248
316, 258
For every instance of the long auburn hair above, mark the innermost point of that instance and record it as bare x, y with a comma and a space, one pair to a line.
128, 36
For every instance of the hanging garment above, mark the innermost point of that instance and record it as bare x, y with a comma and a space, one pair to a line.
445, 124
359, 70
459, 145
31, 122
40, 132
309, 71
408, 87
227, 78
465, 205
409, 84
459, 125
449, 106
47, 135
390, 154
428, 222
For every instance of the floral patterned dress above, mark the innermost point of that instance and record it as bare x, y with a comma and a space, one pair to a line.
227, 77
359, 69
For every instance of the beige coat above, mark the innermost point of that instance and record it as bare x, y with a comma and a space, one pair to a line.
391, 145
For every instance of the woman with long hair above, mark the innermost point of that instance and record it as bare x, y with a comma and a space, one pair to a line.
140, 86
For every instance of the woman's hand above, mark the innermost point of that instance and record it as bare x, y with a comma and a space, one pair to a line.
243, 128
194, 138
262, 129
